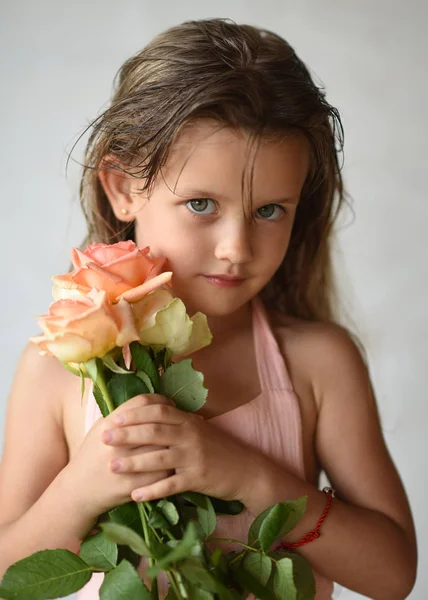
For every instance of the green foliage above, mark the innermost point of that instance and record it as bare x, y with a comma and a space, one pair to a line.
128, 515
99, 552
172, 533
275, 522
144, 363
120, 534
204, 510
100, 400
124, 583
184, 386
125, 387
303, 579
46, 574
226, 507
181, 550
169, 511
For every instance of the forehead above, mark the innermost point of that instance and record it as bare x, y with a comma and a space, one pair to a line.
209, 155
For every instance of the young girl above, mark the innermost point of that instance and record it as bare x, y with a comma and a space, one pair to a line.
220, 153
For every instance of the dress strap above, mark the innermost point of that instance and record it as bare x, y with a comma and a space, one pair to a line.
271, 367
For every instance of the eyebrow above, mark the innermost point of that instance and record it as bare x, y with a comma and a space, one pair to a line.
198, 193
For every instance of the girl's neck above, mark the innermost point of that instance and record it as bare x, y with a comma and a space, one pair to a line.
230, 324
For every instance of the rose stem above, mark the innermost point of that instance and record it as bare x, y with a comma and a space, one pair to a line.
101, 383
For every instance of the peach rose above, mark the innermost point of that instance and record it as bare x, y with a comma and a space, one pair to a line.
122, 270
76, 330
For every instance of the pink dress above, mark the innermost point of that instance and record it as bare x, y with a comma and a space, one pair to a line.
271, 422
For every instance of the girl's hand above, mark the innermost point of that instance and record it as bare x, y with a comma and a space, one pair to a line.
94, 478
203, 458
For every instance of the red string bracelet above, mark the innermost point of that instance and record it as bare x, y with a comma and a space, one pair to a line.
315, 533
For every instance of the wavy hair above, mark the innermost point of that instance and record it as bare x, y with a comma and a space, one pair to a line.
245, 78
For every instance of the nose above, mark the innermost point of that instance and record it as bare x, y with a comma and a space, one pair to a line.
234, 241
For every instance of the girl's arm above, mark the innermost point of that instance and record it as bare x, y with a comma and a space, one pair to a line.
367, 541
47, 499
38, 507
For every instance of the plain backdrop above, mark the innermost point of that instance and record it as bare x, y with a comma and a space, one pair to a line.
57, 64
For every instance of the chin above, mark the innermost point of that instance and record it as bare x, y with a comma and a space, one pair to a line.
217, 305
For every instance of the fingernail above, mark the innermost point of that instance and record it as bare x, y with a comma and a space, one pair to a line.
119, 419
116, 465
107, 436
138, 496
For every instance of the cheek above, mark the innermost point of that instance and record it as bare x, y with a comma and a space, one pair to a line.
272, 247
180, 242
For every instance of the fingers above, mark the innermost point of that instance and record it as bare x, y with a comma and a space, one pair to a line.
176, 484
138, 402
158, 434
149, 413
163, 460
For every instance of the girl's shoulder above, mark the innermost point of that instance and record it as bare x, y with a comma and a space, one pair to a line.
316, 351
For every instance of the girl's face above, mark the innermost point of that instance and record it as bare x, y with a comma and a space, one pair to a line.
196, 216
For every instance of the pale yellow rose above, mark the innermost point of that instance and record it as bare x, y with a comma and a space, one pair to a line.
122, 270
76, 330
162, 320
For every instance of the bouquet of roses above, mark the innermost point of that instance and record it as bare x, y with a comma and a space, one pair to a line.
114, 322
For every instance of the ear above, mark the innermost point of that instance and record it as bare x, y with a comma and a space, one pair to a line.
119, 188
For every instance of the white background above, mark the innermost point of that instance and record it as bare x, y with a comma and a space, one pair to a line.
57, 63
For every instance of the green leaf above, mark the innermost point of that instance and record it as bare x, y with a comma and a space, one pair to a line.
259, 565
250, 583
169, 511
204, 509
200, 594
226, 507
182, 550
194, 571
45, 574
303, 578
71, 369
82, 384
184, 386
124, 535
146, 380
128, 515
124, 583
143, 362
275, 522
92, 367
124, 387
302, 574
113, 366
99, 552
283, 582
157, 520
98, 395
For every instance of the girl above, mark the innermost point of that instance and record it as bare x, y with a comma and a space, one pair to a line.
220, 153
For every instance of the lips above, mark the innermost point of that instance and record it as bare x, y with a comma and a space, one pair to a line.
224, 280
225, 277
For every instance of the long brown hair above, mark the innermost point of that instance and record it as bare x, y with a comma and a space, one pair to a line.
245, 78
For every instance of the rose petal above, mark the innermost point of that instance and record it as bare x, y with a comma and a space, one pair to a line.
94, 276
124, 317
137, 293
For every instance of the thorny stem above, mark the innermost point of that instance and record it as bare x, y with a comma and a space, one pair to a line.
144, 522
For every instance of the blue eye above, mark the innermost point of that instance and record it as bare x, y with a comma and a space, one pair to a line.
270, 212
200, 206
